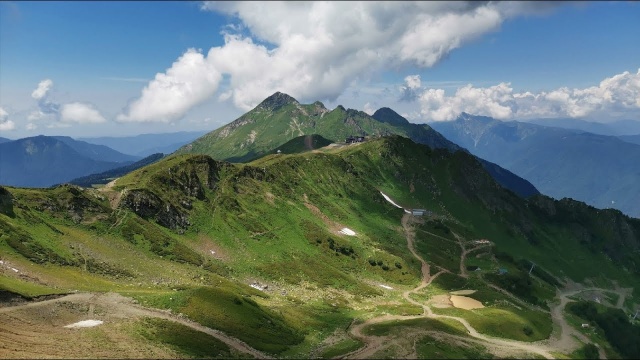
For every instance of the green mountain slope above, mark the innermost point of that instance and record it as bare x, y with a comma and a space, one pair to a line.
280, 118
285, 252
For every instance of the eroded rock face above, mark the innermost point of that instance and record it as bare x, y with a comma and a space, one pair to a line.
148, 205
171, 197
6, 202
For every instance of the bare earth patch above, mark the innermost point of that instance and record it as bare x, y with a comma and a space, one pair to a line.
464, 302
441, 301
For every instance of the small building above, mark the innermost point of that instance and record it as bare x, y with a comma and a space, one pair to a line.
354, 139
418, 212
585, 325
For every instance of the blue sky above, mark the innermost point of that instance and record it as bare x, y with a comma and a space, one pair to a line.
123, 68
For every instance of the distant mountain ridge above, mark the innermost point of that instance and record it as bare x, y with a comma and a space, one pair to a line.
147, 144
616, 128
96, 151
43, 161
602, 171
107, 176
280, 118
634, 139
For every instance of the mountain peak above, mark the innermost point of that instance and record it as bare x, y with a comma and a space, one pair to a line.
276, 101
389, 116
476, 118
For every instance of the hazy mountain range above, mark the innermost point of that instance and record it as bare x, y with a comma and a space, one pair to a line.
601, 170
146, 144
616, 128
43, 161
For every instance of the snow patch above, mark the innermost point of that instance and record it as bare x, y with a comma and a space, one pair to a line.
389, 200
347, 231
393, 203
385, 286
257, 286
84, 324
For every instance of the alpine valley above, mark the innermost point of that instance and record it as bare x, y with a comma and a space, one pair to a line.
273, 237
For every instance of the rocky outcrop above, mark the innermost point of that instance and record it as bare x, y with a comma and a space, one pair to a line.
6, 202
277, 101
171, 193
149, 206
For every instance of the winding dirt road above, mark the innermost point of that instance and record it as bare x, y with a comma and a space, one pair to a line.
119, 306
563, 343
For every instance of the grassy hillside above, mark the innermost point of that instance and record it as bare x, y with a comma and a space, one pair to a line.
259, 252
281, 118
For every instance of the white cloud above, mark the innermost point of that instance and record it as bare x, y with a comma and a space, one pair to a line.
5, 123
324, 46
409, 91
618, 96
31, 127
188, 82
320, 50
45, 106
48, 110
37, 115
368, 108
80, 113
43, 89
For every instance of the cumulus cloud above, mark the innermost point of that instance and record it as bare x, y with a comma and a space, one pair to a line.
618, 95
75, 112
321, 49
368, 108
46, 107
5, 123
188, 82
80, 113
409, 91
43, 89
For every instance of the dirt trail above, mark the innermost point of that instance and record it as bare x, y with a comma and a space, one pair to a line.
122, 307
566, 338
465, 252
374, 344
113, 195
411, 236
